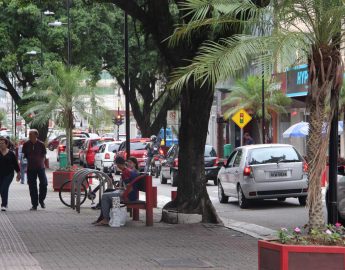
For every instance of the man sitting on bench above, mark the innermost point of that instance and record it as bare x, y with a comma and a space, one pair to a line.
127, 175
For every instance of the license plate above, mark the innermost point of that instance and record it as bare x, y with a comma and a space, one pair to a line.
279, 174
157, 162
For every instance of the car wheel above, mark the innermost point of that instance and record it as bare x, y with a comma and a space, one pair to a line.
173, 177
221, 197
302, 200
281, 199
215, 181
242, 200
163, 179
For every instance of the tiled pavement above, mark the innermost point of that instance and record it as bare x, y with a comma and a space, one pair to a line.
59, 238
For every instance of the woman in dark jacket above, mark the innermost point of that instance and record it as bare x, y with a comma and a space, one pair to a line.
8, 164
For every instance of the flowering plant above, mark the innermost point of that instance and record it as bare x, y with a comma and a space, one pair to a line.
330, 235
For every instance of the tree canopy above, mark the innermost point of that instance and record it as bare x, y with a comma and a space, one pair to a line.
96, 44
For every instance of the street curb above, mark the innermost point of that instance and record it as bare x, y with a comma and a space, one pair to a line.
250, 229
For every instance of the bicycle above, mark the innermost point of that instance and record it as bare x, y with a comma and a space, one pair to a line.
86, 191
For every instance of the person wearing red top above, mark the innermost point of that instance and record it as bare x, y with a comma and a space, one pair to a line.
8, 164
127, 175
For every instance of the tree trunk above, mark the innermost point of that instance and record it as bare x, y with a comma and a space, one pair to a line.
69, 129
196, 103
324, 70
316, 155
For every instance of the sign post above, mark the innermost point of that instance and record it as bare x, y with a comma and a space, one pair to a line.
241, 118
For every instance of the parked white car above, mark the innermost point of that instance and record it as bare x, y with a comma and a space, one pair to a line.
263, 171
105, 155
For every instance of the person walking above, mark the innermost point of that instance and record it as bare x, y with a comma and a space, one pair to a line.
35, 152
8, 164
247, 139
22, 161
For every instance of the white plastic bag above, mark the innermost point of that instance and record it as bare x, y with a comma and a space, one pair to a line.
118, 214
115, 217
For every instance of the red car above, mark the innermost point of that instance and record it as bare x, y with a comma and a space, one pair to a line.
137, 149
88, 151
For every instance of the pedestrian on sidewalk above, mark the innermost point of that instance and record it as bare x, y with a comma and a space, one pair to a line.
22, 161
8, 164
247, 139
35, 152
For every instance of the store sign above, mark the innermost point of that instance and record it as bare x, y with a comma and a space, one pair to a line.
297, 81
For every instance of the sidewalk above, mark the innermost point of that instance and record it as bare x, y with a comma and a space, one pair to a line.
59, 238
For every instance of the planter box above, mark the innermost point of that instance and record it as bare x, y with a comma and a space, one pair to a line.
275, 256
60, 177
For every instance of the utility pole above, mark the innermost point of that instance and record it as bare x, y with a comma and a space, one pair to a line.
128, 149
333, 138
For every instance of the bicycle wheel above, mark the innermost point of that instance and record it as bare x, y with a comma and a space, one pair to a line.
65, 196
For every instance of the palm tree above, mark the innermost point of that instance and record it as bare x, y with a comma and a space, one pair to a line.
247, 94
58, 94
285, 33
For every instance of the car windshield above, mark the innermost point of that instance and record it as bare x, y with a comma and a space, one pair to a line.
138, 145
209, 151
112, 147
273, 155
99, 142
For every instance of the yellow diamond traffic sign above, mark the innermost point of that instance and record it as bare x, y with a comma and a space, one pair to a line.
241, 118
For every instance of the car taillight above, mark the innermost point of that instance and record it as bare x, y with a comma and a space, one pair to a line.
305, 166
246, 171
216, 161
144, 155
175, 162
107, 156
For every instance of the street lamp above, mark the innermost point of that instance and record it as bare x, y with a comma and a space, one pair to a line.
32, 53
48, 13
57, 23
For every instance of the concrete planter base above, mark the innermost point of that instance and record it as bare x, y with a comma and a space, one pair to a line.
173, 217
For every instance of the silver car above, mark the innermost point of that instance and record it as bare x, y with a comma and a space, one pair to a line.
263, 171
